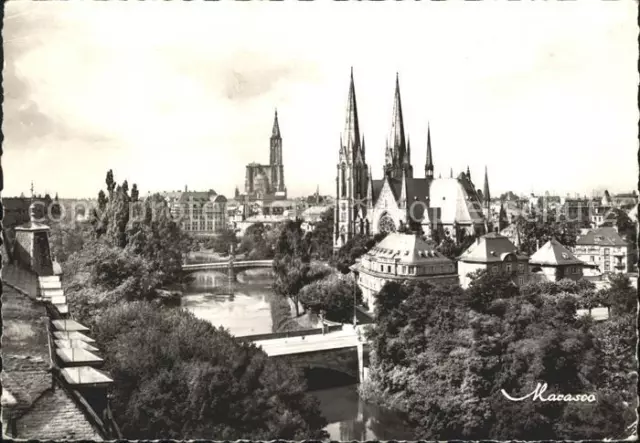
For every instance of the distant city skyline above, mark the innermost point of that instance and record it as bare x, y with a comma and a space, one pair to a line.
543, 94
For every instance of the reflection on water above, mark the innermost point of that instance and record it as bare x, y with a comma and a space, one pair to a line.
247, 312
244, 312
350, 418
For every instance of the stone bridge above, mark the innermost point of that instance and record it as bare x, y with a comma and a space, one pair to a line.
344, 351
229, 266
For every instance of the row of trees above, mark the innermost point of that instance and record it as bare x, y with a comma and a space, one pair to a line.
442, 355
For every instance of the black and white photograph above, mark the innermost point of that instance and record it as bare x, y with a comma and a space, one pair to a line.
319, 220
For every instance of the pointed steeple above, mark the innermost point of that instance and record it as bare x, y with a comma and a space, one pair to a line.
275, 132
428, 167
351, 133
363, 149
407, 156
451, 172
468, 173
396, 137
485, 191
518, 241
403, 191
370, 190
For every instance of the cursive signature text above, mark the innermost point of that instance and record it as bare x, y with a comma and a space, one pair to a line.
539, 390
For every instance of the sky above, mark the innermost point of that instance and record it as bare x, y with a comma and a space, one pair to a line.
175, 94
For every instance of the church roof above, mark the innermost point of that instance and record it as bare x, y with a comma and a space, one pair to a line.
197, 196
408, 248
458, 201
552, 253
490, 248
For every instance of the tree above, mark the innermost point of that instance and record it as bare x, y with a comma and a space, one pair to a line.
111, 184
200, 382
135, 194
291, 263
333, 295
321, 238
353, 249
486, 287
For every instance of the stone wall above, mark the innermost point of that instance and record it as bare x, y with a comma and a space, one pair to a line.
343, 360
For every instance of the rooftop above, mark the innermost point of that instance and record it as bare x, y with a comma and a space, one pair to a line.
490, 248
553, 253
406, 248
606, 236
41, 410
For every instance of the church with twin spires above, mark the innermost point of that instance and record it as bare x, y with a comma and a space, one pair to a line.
444, 207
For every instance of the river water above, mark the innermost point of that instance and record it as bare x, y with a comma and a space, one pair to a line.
247, 312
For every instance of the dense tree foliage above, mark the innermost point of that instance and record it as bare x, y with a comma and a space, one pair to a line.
179, 377
540, 227
321, 238
256, 243
135, 249
355, 247
332, 296
443, 356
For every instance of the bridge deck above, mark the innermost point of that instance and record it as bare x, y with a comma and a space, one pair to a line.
309, 343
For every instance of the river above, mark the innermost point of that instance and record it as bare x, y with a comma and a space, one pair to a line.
247, 312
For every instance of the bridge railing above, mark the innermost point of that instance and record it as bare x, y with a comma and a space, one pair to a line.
287, 334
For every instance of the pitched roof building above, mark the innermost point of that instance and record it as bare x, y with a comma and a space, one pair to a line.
401, 257
554, 262
494, 253
368, 206
605, 248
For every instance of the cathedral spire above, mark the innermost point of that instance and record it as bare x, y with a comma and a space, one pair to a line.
351, 133
468, 173
451, 172
275, 132
407, 156
485, 191
428, 168
396, 137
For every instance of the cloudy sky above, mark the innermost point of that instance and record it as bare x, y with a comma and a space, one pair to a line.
169, 94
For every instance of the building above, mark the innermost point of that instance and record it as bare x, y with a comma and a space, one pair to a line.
200, 213
400, 257
494, 253
51, 388
625, 200
439, 207
604, 248
554, 262
266, 182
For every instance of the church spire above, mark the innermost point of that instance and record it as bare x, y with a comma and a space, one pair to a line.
351, 133
485, 191
275, 132
428, 167
396, 137
468, 173
450, 172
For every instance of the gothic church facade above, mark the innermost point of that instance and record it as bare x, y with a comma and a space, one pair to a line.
266, 182
439, 207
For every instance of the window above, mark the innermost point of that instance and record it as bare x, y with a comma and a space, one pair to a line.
508, 267
389, 268
494, 269
381, 268
592, 259
520, 267
606, 251
521, 281
404, 269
